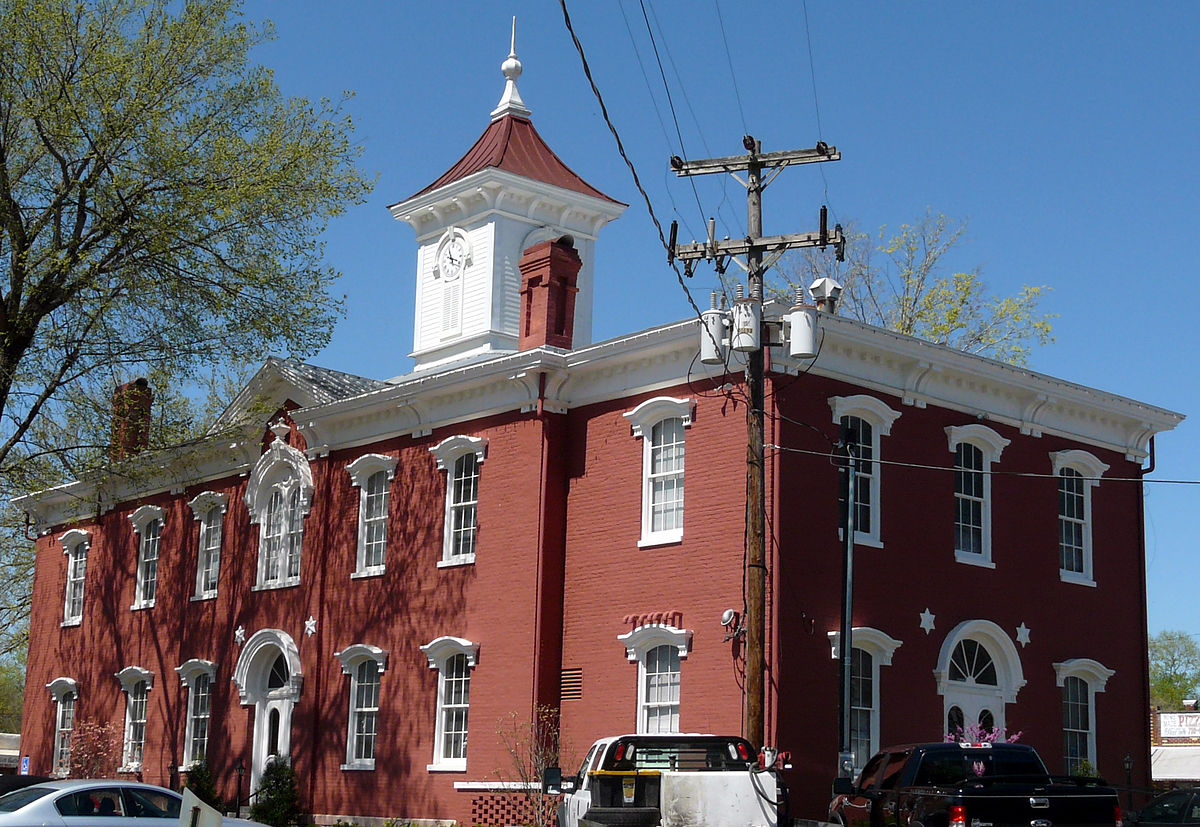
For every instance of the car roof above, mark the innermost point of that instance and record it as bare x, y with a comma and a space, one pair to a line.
81, 783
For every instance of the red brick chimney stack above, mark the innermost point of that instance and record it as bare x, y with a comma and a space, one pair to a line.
131, 419
549, 273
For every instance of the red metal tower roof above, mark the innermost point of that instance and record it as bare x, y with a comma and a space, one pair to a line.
512, 144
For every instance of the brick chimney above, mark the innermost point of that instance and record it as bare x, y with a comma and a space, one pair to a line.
549, 273
131, 419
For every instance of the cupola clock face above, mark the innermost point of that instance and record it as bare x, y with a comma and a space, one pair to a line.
453, 254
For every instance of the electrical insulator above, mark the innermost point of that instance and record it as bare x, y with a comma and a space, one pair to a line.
713, 323
747, 324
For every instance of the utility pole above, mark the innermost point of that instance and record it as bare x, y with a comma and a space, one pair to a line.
750, 336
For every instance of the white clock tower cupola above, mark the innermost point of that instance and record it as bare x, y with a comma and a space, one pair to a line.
506, 194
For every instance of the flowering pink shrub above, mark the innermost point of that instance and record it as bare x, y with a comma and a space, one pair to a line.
976, 734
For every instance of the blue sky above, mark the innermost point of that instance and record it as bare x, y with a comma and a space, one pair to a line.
1067, 133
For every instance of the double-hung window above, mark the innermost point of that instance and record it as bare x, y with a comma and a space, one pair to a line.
658, 650
453, 658
75, 545
279, 496
364, 664
147, 525
871, 649
64, 693
975, 448
136, 683
372, 475
661, 423
1078, 472
197, 675
460, 457
209, 511
863, 420
1080, 679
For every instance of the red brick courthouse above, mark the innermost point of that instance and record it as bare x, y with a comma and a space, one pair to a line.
374, 577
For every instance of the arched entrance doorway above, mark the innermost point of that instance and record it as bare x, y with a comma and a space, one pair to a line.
978, 674
268, 677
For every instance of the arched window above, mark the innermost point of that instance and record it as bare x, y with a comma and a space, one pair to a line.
135, 682
975, 448
460, 457
75, 545
209, 510
872, 650
372, 474
1080, 679
364, 664
279, 496
1078, 473
658, 649
65, 695
147, 526
978, 672
863, 420
661, 423
197, 675
971, 663
453, 658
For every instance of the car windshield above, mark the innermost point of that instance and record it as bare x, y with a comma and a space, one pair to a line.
678, 754
19, 798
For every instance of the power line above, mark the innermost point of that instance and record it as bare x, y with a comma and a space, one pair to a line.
1029, 474
670, 101
729, 59
637, 181
812, 74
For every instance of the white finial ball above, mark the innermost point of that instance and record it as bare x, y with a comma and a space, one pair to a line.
511, 67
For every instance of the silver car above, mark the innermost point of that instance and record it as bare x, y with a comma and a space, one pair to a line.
96, 802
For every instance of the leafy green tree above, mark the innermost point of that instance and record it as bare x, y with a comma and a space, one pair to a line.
276, 799
1174, 669
899, 281
201, 782
161, 205
12, 692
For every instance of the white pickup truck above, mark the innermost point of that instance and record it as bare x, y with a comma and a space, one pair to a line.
672, 780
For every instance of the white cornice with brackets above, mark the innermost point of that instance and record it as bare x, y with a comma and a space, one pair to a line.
146, 475
914, 372
921, 373
492, 190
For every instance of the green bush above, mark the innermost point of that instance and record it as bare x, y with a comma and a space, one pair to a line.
276, 800
200, 781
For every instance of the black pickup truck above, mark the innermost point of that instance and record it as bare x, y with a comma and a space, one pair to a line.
969, 785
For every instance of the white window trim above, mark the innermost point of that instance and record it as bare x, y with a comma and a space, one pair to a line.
992, 445
880, 646
71, 542
1090, 468
880, 416
638, 644
438, 651
202, 505
351, 658
141, 518
59, 689
361, 470
284, 468
188, 672
446, 453
129, 677
1095, 675
642, 420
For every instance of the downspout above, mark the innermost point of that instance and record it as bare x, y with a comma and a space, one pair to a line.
1145, 635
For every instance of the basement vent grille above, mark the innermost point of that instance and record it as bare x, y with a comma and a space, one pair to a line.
572, 684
